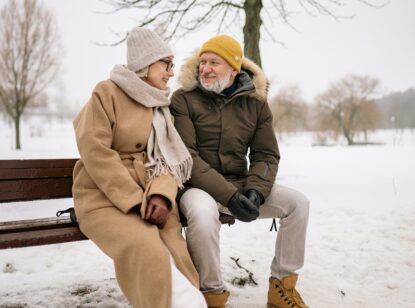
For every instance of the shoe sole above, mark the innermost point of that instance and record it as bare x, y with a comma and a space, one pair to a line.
272, 306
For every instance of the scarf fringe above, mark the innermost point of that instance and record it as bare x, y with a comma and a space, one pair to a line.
181, 172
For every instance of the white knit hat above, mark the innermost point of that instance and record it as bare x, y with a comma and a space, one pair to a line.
144, 47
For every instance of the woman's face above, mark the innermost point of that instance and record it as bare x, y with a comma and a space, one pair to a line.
160, 72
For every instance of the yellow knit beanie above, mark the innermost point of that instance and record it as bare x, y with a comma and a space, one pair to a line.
226, 47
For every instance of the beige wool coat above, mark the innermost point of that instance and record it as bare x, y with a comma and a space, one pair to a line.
110, 183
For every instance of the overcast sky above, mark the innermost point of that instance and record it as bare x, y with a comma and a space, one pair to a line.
378, 42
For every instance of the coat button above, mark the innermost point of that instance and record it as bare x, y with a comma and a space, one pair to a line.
138, 145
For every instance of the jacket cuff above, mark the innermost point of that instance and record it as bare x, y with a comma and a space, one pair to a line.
126, 204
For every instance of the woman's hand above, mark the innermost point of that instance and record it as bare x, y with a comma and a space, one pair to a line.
157, 210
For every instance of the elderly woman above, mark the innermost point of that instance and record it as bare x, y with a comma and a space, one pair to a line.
125, 184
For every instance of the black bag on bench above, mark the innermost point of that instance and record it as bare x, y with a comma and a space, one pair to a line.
72, 215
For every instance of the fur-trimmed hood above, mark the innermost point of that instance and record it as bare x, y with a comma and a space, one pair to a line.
189, 72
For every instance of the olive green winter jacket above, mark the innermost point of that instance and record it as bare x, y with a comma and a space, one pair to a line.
219, 131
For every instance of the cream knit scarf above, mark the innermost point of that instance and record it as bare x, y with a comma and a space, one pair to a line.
166, 151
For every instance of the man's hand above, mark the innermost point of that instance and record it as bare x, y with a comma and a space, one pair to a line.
255, 197
242, 208
157, 211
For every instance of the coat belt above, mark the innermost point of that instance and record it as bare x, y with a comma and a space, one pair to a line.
138, 164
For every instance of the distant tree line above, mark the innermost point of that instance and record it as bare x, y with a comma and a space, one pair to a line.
348, 108
398, 110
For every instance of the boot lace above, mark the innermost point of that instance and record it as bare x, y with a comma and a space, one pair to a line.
297, 298
286, 297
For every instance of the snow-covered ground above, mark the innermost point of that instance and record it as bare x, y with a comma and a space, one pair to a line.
360, 244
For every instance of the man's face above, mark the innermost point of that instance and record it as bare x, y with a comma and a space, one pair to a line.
215, 73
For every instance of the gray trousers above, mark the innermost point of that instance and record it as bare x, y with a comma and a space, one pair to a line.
202, 213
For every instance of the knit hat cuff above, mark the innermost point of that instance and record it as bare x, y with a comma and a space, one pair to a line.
148, 59
234, 61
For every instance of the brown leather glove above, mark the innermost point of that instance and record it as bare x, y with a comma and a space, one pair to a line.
157, 210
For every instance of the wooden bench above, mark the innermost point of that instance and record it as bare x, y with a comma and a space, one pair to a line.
37, 179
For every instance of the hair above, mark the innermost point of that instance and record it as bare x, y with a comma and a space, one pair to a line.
142, 73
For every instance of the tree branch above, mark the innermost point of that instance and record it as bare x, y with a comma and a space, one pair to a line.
250, 274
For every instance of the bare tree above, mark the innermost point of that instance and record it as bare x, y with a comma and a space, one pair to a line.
348, 107
29, 54
289, 110
176, 18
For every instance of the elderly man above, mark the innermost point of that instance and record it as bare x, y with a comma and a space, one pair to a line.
221, 113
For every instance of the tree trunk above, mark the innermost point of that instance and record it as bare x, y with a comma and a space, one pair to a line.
17, 131
345, 130
252, 29
349, 140
347, 134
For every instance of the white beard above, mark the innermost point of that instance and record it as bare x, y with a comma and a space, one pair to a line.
219, 85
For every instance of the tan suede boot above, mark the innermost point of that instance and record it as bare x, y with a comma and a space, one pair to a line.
282, 294
216, 300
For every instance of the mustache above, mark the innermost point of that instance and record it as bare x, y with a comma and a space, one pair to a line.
209, 75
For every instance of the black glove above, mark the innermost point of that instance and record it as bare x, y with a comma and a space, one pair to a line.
255, 197
242, 208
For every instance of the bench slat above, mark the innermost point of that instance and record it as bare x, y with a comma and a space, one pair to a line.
37, 163
41, 237
25, 190
43, 231
17, 174
35, 224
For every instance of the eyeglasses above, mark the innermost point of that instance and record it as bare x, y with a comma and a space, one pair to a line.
169, 64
